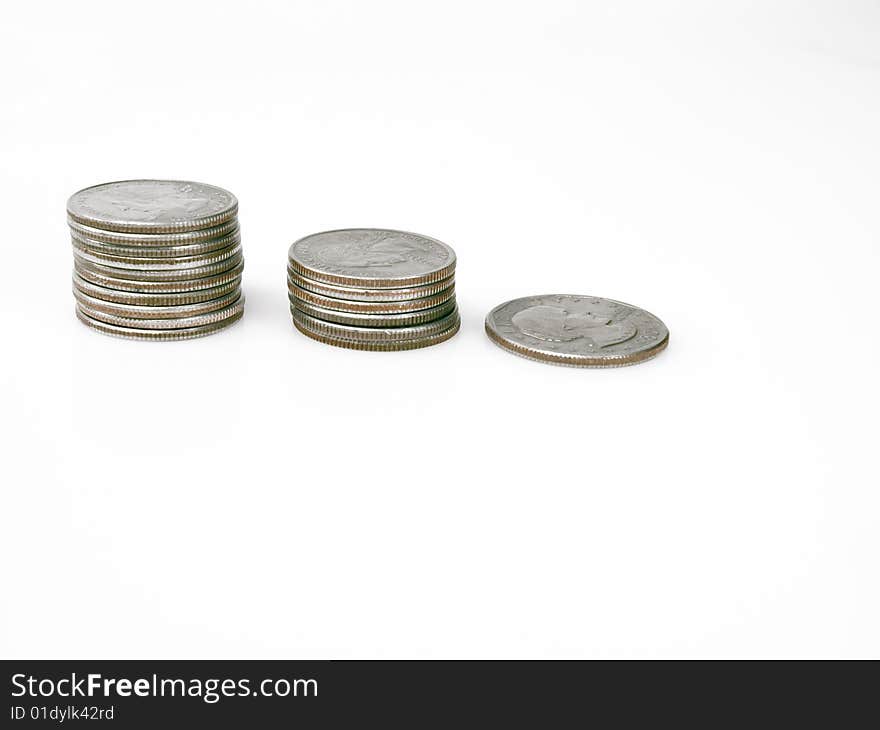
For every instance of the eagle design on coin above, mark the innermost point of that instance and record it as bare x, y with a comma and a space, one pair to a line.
372, 249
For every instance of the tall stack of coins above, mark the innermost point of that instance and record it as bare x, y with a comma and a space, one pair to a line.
373, 289
156, 259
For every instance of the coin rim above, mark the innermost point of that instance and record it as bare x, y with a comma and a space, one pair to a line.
147, 299
157, 311
102, 248
165, 263
164, 286
384, 321
163, 275
364, 294
342, 305
128, 333
382, 347
165, 324
149, 240
384, 334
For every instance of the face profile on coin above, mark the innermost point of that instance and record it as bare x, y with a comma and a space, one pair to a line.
372, 257
579, 331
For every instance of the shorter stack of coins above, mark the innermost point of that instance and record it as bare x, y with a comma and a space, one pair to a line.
156, 259
373, 289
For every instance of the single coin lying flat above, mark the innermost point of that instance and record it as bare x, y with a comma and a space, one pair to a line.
578, 331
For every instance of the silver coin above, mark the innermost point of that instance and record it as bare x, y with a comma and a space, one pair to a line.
376, 334
133, 333
198, 320
580, 331
152, 206
378, 346
156, 264
340, 305
154, 252
141, 275
372, 258
407, 319
135, 286
148, 240
360, 294
153, 264
154, 299
172, 311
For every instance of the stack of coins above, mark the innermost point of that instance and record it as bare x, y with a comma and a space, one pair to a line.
373, 289
156, 259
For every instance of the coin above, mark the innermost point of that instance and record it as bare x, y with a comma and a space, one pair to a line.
362, 294
378, 346
152, 206
149, 240
131, 333
141, 275
184, 249
135, 286
198, 320
579, 331
405, 319
372, 258
154, 311
376, 334
157, 264
154, 299
341, 305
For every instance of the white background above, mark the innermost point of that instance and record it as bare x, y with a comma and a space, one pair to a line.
256, 494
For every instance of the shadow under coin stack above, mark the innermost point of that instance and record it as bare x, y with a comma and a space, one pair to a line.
373, 289
156, 259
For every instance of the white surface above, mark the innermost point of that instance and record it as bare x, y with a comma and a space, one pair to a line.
256, 494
